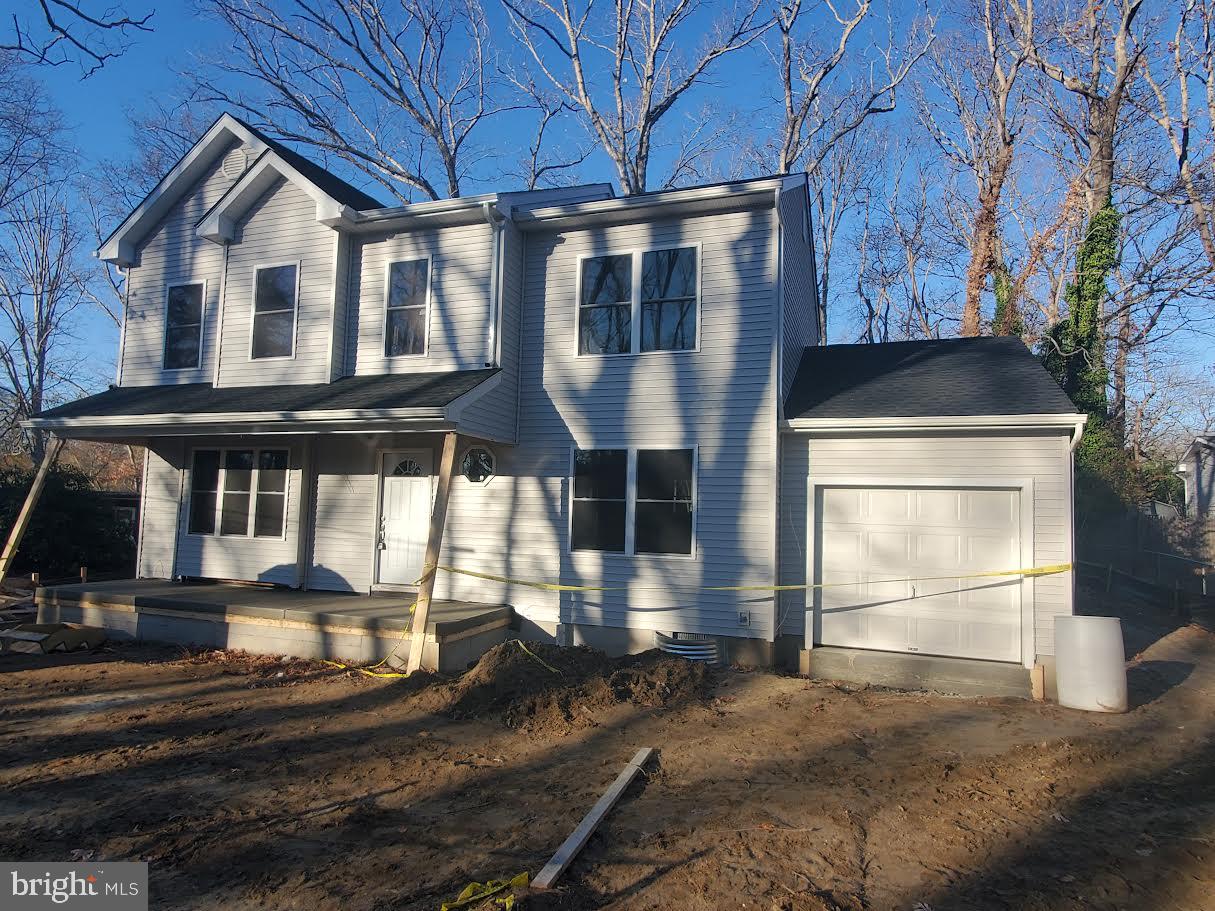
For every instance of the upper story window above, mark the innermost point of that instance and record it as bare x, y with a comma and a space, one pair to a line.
183, 326
633, 501
275, 294
630, 303
240, 492
405, 316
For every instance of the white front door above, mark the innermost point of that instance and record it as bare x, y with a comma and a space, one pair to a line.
884, 550
404, 515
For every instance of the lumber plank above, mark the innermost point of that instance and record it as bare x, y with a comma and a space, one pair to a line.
434, 544
578, 838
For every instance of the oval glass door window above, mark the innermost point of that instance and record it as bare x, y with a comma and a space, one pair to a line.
407, 468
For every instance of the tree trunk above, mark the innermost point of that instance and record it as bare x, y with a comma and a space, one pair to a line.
983, 241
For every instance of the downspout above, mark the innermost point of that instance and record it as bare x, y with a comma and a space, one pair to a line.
495, 220
219, 316
122, 330
778, 406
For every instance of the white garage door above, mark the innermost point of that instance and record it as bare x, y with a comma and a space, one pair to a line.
871, 538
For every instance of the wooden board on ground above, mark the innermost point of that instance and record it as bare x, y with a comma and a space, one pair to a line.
578, 838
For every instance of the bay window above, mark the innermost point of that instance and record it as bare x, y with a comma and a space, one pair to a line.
240, 492
633, 501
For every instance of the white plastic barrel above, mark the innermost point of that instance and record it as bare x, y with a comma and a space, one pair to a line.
1090, 663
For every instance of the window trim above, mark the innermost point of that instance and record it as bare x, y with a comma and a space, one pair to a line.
202, 326
254, 483
295, 314
637, 254
430, 274
630, 501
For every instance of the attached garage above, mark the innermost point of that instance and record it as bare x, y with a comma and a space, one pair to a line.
911, 472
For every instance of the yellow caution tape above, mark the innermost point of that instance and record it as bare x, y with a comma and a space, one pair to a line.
371, 671
564, 587
537, 658
477, 892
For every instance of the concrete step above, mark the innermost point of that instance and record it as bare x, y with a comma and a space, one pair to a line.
954, 676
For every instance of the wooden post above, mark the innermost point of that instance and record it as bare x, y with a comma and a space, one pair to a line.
434, 544
54, 444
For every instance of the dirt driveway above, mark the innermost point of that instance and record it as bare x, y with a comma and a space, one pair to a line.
252, 783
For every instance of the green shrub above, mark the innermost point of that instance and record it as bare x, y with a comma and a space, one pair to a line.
73, 525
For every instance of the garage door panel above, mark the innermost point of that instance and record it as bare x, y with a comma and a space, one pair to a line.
888, 506
936, 549
841, 504
938, 507
880, 538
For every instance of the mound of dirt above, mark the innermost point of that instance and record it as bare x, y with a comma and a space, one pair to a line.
542, 687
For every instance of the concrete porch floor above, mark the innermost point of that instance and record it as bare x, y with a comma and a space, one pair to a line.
307, 624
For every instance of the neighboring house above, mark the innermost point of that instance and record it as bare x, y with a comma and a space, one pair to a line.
636, 386
1197, 470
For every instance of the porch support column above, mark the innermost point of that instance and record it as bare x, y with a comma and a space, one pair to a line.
434, 544
54, 444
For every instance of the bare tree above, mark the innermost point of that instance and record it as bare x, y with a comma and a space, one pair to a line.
56, 32
30, 144
647, 70
1188, 62
541, 164
819, 109
42, 286
399, 90
1094, 57
976, 128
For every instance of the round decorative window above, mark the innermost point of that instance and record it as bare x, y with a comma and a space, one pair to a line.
477, 464
407, 468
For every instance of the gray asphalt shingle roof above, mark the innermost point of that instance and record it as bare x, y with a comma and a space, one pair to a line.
406, 390
938, 378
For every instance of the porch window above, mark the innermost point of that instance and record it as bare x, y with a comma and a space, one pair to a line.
275, 289
243, 492
636, 501
405, 316
183, 326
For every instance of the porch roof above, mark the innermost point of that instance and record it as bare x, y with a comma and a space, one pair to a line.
201, 407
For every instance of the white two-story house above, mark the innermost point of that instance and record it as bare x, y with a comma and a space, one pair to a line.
640, 402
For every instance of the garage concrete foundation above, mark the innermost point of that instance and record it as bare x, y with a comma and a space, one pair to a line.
952, 676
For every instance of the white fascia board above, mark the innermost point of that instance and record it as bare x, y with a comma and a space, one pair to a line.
906, 424
207, 419
219, 225
694, 201
119, 247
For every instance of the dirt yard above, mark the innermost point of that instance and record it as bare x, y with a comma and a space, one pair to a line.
256, 783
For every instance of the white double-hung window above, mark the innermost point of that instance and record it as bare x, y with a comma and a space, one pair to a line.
631, 303
238, 492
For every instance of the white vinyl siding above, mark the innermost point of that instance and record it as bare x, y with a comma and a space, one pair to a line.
459, 315
1042, 457
158, 510
720, 400
495, 414
172, 254
798, 284
279, 229
343, 533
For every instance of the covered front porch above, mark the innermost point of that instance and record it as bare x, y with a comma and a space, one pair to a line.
279, 621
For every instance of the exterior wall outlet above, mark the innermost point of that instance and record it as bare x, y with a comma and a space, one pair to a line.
744, 618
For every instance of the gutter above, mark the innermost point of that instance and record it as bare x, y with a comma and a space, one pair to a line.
942, 422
